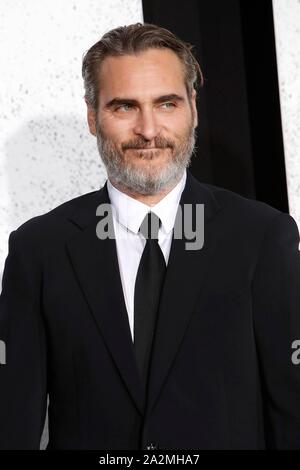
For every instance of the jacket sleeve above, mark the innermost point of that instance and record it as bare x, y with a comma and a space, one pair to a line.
276, 313
23, 390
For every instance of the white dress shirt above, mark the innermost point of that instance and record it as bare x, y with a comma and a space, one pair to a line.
128, 214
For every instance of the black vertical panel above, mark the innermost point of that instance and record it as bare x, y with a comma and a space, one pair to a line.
264, 103
236, 123
226, 90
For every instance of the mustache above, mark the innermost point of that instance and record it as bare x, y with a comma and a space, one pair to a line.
140, 143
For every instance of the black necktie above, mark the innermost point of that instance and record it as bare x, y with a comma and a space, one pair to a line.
148, 285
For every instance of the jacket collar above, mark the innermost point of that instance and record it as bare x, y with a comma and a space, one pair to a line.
193, 192
95, 265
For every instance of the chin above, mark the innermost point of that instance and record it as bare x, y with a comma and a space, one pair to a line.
151, 169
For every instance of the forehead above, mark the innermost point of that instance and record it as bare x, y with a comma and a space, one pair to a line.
153, 71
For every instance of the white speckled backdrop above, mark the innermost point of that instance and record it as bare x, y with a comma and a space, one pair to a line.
47, 155
287, 32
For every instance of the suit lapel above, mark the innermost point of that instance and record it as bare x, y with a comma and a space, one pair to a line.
185, 277
96, 266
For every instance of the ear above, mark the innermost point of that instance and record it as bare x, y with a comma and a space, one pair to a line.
91, 118
194, 108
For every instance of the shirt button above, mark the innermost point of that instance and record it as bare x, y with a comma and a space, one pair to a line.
151, 446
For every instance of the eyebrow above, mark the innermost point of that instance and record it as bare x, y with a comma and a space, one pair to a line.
161, 99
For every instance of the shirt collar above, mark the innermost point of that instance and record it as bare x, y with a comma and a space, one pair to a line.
130, 213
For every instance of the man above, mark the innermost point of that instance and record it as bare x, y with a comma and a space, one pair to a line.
140, 340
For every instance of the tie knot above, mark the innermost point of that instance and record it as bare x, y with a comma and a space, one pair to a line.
150, 226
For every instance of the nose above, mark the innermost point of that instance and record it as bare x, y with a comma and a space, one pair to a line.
146, 124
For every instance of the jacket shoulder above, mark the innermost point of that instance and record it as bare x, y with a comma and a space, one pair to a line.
241, 206
56, 218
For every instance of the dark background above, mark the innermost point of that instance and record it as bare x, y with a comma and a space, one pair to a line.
240, 144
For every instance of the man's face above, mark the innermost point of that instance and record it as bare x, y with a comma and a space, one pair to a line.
145, 123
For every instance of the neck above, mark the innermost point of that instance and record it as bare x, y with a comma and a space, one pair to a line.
148, 199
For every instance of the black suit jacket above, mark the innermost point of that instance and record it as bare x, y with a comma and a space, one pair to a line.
222, 375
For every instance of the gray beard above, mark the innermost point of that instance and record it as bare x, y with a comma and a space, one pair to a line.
138, 180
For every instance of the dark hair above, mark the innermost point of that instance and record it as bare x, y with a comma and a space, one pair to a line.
132, 39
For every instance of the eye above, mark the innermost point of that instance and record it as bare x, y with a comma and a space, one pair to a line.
124, 107
168, 105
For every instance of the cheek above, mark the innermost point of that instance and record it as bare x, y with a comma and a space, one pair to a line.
178, 122
180, 128
118, 131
